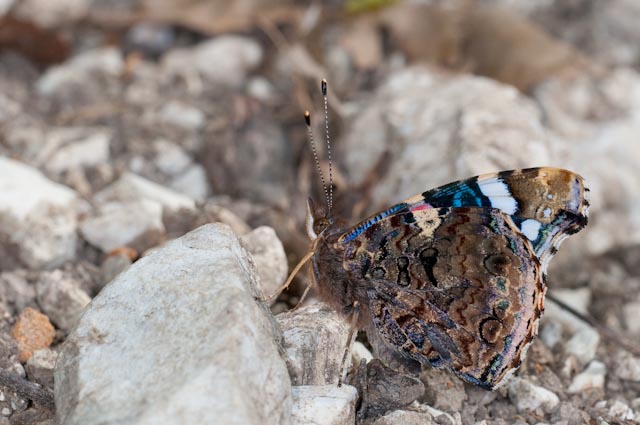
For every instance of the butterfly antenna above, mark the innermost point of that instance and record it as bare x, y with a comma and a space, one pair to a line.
323, 86
307, 120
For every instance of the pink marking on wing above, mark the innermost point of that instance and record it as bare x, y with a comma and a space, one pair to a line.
421, 207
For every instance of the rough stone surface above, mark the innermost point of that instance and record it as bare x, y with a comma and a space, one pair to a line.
113, 265
137, 224
583, 344
40, 367
529, 397
37, 218
235, 55
591, 378
434, 380
60, 80
16, 292
409, 121
61, 297
193, 183
75, 147
314, 338
131, 187
32, 331
269, 256
406, 417
324, 404
189, 307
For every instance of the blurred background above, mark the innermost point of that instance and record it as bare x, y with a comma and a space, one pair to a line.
125, 123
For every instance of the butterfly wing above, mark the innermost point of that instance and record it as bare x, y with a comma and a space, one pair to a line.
457, 288
546, 204
454, 276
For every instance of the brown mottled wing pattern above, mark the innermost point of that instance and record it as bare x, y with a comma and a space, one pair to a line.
458, 288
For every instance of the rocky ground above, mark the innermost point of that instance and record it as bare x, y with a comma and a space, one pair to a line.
154, 170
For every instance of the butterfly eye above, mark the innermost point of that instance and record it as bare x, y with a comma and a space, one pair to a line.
320, 224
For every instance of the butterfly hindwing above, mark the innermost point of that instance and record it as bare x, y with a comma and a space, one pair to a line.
445, 288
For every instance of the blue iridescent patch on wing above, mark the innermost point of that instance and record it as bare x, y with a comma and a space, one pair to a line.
465, 193
371, 221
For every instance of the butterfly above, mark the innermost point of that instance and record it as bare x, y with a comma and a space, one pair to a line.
454, 277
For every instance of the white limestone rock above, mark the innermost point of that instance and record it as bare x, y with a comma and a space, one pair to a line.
324, 404
38, 218
176, 338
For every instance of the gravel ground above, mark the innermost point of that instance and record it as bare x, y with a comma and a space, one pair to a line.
154, 172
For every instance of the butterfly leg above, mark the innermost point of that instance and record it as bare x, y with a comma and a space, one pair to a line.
312, 281
355, 312
293, 274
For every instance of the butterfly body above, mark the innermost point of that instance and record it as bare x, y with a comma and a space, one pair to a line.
453, 277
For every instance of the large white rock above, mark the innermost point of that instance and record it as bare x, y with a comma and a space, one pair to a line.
324, 404
37, 218
431, 128
178, 338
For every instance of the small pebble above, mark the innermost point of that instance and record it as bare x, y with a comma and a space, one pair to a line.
32, 331
591, 378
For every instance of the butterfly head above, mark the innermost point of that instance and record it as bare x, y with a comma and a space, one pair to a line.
318, 220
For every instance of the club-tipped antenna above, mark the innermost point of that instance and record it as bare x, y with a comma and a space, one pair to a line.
307, 120
323, 86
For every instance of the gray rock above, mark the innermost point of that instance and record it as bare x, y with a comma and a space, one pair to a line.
53, 13
529, 397
443, 390
175, 339
579, 299
5, 5
37, 218
324, 404
621, 411
234, 57
630, 312
182, 115
113, 265
214, 212
83, 68
69, 148
269, 256
434, 128
136, 224
583, 344
591, 378
40, 367
550, 333
16, 291
626, 366
406, 417
597, 113
61, 298
314, 337
192, 182
170, 158
131, 187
